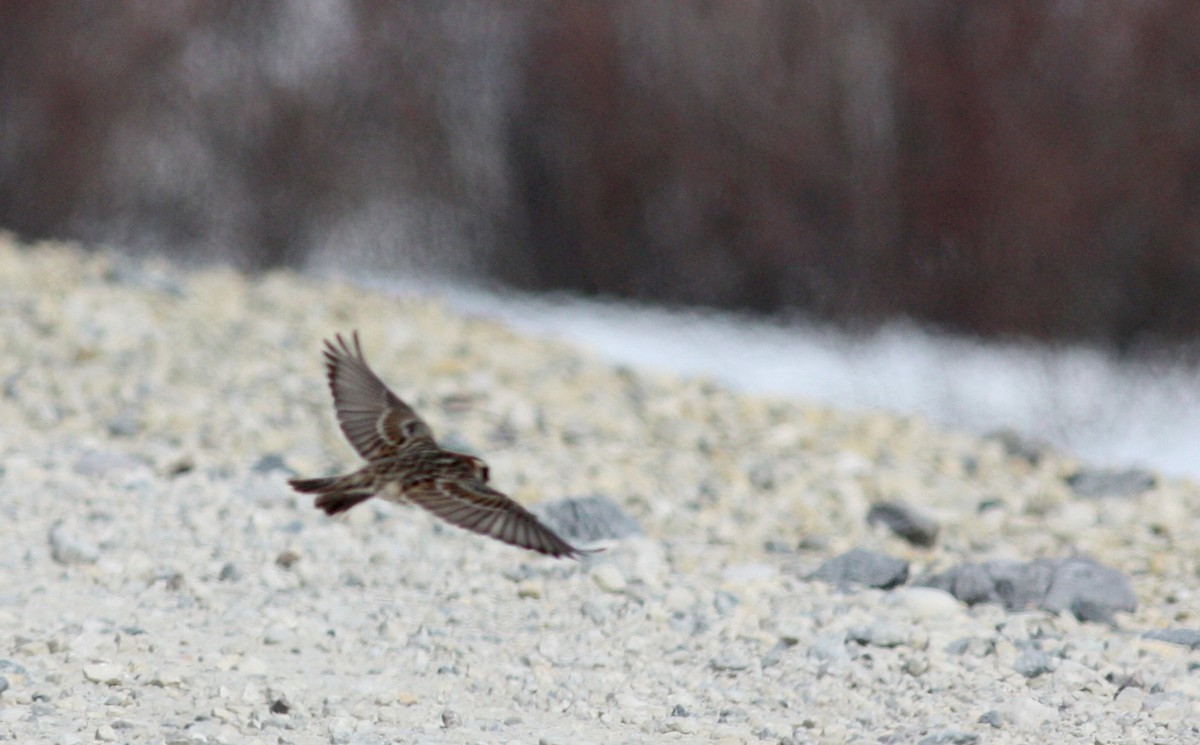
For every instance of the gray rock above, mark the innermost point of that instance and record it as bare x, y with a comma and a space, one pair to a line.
1032, 662
1088, 590
588, 519
970, 583
280, 702
862, 567
270, 463
1182, 637
904, 521
1104, 482
1021, 586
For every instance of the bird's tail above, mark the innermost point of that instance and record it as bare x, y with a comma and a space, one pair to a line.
336, 493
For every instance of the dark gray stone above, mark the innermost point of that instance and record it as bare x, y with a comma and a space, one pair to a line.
1102, 482
270, 463
862, 567
1090, 591
1182, 637
588, 519
1021, 586
972, 584
904, 521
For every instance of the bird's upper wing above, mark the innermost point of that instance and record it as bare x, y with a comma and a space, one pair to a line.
375, 421
474, 505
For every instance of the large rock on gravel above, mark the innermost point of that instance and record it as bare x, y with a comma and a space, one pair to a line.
1087, 589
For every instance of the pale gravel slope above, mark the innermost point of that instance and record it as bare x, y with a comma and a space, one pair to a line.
193, 591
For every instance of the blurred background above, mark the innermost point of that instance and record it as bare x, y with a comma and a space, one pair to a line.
1003, 170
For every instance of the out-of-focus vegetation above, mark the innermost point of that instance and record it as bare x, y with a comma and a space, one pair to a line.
1002, 167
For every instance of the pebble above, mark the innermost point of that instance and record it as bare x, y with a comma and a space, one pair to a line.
609, 578
167, 678
679, 599
200, 598
1088, 590
829, 647
925, 603
102, 672
863, 567
68, 547
1104, 482
905, 521
1183, 637
1033, 662
879, 634
917, 666
530, 588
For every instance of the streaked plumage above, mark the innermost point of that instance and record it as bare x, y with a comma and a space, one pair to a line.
405, 463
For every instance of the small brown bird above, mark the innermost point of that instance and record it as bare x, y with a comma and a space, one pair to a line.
405, 463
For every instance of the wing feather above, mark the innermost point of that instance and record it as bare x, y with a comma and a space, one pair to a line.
374, 420
479, 508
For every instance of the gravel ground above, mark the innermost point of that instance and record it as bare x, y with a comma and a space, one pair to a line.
160, 583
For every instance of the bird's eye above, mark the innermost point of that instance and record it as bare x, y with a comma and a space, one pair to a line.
483, 472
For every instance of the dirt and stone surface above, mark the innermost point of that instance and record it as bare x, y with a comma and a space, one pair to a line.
160, 583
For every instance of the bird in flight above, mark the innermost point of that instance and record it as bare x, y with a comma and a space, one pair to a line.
406, 465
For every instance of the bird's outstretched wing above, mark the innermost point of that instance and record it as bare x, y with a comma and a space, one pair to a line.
473, 505
375, 421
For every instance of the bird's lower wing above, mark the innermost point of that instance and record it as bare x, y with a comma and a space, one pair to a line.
479, 508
